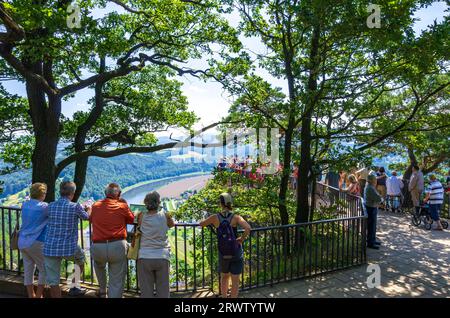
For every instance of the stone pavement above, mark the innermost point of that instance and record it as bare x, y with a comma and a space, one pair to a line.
414, 262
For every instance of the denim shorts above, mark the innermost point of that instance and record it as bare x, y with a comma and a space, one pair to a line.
434, 211
53, 265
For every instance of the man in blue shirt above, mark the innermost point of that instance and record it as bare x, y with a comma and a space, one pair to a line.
61, 241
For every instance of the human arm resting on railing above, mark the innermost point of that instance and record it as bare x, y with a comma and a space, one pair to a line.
170, 222
208, 221
83, 213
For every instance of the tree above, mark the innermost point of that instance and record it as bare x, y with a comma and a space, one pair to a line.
339, 74
127, 111
258, 105
423, 141
55, 61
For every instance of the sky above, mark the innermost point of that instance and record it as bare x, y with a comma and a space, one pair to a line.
208, 100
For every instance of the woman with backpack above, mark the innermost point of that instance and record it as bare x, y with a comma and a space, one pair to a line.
231, 262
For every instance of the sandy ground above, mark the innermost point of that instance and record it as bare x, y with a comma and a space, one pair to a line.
176, 188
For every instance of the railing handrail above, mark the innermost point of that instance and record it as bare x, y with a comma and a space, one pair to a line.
339, 190
272, 227
273, 254
265, 228
10, 208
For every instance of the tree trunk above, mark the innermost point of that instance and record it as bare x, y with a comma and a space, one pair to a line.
407, 202
43, 161
282, 204
412, 162
80, 139
305, 165
303, 177
80, 176
45, 115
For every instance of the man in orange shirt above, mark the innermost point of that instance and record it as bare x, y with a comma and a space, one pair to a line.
109, 219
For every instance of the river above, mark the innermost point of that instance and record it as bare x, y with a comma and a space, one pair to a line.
168, 188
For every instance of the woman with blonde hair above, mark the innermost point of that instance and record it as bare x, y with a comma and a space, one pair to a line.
154, 252
353, 187
32, 236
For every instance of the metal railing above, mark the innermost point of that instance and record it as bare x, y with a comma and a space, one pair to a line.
289, 252
340, 203
271, 254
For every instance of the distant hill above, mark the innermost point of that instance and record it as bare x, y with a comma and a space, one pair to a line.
126, 170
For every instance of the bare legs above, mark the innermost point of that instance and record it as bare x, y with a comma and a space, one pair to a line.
55, 291
225, 284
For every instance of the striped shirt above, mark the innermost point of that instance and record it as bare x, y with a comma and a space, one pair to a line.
436, 191
62, 228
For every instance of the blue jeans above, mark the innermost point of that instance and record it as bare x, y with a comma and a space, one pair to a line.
434, 211
371, 224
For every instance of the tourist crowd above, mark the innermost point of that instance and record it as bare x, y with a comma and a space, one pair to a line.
49, 235
49, 232
255, 170
247, 167
378, 190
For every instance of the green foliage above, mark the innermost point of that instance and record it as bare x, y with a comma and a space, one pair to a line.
16, 146
136, 106
130, 54
255, 201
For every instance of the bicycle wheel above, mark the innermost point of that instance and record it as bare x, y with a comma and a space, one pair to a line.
444, 224
416, 220
428, 222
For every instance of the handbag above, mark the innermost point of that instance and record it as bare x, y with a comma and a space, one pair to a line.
133, 250
14, 239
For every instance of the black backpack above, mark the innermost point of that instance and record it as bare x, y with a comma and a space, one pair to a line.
226, 237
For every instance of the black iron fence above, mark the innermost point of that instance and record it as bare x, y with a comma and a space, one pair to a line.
331, 202
271, 254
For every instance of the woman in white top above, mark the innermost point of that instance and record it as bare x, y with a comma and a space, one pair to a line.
154, 252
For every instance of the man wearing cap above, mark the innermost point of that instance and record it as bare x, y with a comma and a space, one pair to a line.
109, 219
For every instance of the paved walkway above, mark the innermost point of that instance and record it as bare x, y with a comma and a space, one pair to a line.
413, 262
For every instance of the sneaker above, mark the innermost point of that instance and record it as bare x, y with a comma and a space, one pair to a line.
76, 292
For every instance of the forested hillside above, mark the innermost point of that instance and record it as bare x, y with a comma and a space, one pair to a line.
126, 170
